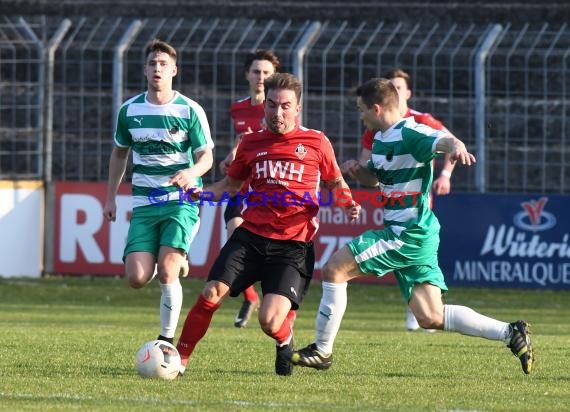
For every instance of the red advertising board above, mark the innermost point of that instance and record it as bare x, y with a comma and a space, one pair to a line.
85, 243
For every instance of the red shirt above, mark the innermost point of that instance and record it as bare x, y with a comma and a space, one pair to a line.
285, 171
419, 117
245, 115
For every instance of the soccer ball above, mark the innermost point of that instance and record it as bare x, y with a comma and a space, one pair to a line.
158, 359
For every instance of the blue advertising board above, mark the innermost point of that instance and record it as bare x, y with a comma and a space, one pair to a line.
505, 240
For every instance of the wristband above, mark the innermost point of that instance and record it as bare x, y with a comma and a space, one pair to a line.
446, 173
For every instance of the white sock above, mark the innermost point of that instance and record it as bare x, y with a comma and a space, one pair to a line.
468, 322
329, 317
170, 306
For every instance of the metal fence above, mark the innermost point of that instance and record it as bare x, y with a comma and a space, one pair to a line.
502, 89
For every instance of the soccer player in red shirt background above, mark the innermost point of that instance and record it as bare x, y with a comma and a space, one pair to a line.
284, 165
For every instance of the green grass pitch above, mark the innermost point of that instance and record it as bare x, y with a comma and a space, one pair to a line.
68, 344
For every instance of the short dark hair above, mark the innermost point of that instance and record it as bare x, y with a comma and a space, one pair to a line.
157, 45
284, 81
398, 73
262, 54
378, 91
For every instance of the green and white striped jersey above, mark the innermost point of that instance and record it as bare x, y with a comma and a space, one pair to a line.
163, 139
402, 160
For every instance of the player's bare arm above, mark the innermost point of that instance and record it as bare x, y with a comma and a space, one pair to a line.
227, 162
342, 196
186, 179
347, 168
448, 165
117, 168
456, 149
442, 184
365, 176
365, 156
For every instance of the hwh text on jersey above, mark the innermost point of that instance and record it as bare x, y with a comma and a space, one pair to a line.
279, 169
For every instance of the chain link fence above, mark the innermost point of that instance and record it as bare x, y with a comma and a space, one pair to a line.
502, 89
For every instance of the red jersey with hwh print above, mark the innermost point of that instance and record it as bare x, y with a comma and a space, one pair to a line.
245, 115
285, 171
419, 117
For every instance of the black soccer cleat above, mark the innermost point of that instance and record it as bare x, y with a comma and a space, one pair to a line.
283, 365
248, 308
521, 345
165, 339
311, 358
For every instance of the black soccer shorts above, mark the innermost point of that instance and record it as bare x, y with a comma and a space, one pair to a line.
284, 267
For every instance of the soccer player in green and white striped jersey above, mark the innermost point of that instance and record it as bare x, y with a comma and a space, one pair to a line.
401, 164
169, 136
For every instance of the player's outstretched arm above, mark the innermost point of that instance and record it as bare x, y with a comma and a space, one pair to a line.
456, 149
442, 184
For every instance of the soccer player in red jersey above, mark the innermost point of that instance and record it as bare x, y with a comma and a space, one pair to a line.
441, 185
284, 165
247, 116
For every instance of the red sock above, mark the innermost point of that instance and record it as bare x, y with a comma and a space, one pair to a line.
291, 315
196, 325
250, 294
284, 332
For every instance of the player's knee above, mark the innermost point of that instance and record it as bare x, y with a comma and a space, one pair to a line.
341, 267
331, 273
430, 321
214, 291
269, 326
136, 281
